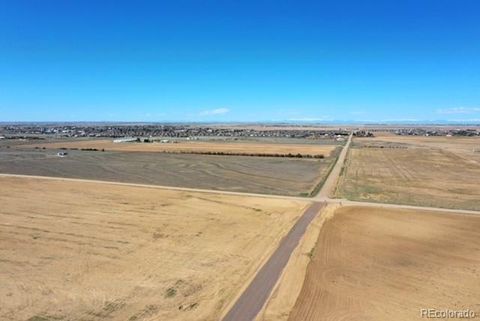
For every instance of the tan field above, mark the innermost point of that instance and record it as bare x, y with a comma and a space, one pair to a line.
197, 147
467, 145
86, 251
383, 264
425, 171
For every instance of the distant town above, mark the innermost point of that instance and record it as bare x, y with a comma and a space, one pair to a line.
170, 131
40, 131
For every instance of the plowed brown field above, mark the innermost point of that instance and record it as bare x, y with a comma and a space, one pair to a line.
86, 251
383, 264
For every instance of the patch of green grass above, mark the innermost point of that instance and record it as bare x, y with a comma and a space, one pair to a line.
38, 318
148, 311
108, 308
45, 318
170, 293
311, 253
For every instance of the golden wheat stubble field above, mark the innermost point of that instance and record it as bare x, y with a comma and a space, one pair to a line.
197, 147
388, 264
86, 251
425, 171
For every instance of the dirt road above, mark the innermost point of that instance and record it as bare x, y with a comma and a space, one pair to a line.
330, 184
254, 297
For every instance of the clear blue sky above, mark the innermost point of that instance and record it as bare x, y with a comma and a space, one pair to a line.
239, 60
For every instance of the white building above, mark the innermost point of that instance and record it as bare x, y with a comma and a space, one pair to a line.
124, 140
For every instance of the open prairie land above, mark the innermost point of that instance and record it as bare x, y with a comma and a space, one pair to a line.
383, 264
441, 172
197, 147
462, 145
86, 251
265, 175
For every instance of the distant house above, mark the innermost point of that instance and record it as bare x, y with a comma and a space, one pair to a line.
62, 154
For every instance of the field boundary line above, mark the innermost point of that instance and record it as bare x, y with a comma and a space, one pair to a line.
346, 202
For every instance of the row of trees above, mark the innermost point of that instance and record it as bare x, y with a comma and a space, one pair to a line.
385, 146
83, 149
289, 155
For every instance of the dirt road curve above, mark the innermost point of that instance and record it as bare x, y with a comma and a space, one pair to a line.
330, 184
254, 297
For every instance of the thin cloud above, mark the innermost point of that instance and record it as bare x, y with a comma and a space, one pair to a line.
459, 110
307, 119
213, 112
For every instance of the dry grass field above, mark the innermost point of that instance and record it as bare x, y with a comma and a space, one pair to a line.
441, 172
467, 145
86, 251
382, 264
197, 147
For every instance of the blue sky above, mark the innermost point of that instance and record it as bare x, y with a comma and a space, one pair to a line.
239, 60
